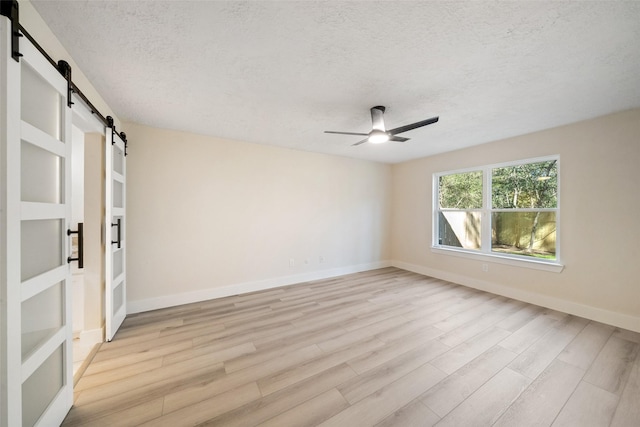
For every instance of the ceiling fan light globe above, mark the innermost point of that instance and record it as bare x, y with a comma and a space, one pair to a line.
378, 137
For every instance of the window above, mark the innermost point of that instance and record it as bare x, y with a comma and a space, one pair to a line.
507, 210
460, 213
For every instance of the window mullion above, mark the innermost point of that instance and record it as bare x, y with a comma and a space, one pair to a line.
435, 220
486, 210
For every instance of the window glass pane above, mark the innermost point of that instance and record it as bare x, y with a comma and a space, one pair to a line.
460, 190
118, 200
118, 160
531, 185
459, 229
41, 318
41, 175
40, 102
117, 263
524, 233
39, 390
118, 297
41, 246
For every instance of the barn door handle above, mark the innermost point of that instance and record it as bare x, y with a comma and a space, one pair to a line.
118, 224
80, 233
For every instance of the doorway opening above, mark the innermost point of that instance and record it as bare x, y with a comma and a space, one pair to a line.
87, 195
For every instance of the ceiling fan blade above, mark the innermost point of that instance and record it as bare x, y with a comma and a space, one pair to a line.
412, 126
360, 142
377, 118
346, 133
398, 139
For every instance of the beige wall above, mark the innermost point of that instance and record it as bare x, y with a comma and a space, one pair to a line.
599, 231
209, 217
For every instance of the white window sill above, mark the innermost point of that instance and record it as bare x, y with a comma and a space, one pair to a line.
533, 263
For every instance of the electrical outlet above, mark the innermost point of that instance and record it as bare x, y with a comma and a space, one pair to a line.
306, 261
485, 267
320, 259
292, 262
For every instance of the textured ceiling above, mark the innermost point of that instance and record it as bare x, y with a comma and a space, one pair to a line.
281, 73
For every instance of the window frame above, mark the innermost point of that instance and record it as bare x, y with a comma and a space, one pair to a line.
485, 252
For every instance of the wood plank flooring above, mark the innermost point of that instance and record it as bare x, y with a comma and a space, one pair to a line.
380, 348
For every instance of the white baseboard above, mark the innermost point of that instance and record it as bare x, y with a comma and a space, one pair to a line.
613, 318
91, 336
148, 304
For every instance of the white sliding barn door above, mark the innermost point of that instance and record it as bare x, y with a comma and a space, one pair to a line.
115, 260
35, 323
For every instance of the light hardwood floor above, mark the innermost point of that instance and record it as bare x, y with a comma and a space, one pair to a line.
380, 348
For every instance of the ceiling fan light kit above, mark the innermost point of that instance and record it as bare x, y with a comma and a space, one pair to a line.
378, 137
379, 134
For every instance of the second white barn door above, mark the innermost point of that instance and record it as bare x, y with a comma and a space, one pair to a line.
116, 242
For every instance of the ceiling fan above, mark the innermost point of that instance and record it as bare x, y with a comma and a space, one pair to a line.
379, 134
